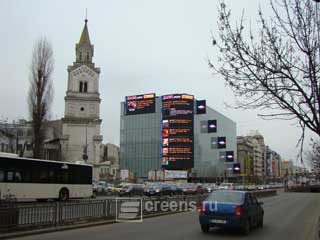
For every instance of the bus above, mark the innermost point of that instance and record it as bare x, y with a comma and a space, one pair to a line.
26, 178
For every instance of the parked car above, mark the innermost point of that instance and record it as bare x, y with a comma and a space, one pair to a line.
236, 209
132, 189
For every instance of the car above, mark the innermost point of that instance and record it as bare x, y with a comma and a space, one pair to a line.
208, 188
132, 189
260, 187
230, 208
116, 189
193, 189
226, 186
175, 189
251, 187
152, 190
94, 189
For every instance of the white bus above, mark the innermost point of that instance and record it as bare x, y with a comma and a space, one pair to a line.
24, 178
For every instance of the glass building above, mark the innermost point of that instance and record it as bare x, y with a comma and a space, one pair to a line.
214, 141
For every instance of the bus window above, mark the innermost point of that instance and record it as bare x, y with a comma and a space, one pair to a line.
10, 176
64, 176
1, 176
52, 176
43, 176
17, 177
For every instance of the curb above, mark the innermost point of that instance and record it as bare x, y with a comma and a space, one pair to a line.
73, 226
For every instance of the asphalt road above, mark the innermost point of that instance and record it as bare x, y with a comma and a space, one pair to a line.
287, 216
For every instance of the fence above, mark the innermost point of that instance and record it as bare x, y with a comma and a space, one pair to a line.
15, 216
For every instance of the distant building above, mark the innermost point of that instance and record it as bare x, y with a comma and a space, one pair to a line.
245, 154
273, 163
252, 156
109, 164
16, 137
287, 168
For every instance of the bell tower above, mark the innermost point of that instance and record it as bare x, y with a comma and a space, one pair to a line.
81, 138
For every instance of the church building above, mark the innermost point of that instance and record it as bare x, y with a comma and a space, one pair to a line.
81, 138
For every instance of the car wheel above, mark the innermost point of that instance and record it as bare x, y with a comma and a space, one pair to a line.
245, 229
260, 224
204, 228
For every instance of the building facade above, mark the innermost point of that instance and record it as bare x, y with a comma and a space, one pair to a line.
273, 161
252, 156
141, 146
81, 137
109, 164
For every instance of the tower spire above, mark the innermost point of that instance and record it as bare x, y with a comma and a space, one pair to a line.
85, 33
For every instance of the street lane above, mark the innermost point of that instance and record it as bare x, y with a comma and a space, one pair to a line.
287, 216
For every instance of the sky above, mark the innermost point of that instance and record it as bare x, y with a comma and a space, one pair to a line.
141, 46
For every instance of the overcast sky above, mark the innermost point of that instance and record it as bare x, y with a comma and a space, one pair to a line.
141, 46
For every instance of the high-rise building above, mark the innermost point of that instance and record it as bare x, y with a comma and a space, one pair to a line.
175, 132
252, 156
81, 137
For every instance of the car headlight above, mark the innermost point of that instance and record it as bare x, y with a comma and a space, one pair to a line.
157, 190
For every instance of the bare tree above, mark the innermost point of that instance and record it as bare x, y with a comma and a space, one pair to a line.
275, 68
40, 91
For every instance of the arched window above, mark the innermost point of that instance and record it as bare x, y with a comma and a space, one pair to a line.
80, 56
87, 56
81, 87
85, 88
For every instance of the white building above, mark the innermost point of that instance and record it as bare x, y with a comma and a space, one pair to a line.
81, 137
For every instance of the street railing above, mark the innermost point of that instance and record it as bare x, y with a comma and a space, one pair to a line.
31, 215
19, 215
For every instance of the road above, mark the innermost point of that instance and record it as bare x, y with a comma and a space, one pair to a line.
287, 216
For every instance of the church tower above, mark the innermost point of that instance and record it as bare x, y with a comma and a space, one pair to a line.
81, 138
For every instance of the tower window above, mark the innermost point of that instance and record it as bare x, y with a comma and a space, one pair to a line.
81, 87
87, 56
80, 56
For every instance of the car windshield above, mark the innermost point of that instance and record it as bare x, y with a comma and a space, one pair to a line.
229, 197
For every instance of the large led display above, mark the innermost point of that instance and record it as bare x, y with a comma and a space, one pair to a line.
177, 131
140, 104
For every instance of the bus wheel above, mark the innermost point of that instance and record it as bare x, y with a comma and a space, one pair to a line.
63, 194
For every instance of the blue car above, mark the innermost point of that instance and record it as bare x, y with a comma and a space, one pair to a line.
235, 209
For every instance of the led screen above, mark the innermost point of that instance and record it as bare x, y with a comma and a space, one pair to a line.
229, 156
212, 126
201, 107
177, 131
222, 142
140, 104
